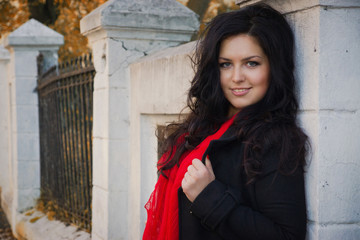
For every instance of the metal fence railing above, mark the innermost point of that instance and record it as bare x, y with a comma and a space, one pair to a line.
65, 114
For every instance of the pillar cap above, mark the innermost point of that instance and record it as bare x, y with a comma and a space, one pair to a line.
34, 34
141, 15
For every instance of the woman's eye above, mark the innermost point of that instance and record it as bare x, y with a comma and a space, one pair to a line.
225, 65
252, 64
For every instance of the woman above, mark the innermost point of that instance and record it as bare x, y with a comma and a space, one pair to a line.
233, 169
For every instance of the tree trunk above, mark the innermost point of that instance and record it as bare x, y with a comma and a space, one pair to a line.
45, 13
199, 6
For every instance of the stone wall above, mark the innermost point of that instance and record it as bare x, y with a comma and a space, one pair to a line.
327, 51
159, 83
120, 32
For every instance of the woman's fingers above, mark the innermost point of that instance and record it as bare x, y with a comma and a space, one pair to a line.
209, 166
197, 177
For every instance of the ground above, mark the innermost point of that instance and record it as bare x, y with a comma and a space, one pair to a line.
5, 230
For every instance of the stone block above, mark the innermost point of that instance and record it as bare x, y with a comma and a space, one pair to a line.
101, 163
162, 79
26, 198
101, 114
118, 222
25, 63
336, 3
106, 172
339, 137
100, 213
100, 81
4, 55
111, 113
336, 231
128, 50
100, 55
339, 81
309, 121
28, 146
119, 79
119, 165
305, 25
28, 174
119, 113
4, 118
25, 93
27, 119
339, 150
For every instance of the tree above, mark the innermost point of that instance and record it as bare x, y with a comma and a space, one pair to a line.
12, 15
61, 15
64, 17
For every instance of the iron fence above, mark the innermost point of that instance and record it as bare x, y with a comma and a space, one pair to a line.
65, 114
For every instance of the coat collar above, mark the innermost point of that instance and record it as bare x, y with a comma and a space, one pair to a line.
226, 138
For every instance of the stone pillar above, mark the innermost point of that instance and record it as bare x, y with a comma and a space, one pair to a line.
4, 121
327, 36
25, 44
120, 32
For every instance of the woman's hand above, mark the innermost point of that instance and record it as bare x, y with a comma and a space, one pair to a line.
197, 177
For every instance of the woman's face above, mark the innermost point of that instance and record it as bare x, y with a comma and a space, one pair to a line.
244, 71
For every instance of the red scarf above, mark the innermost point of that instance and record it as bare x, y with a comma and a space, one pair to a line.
163, 207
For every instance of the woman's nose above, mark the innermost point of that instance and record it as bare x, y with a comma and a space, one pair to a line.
238, 74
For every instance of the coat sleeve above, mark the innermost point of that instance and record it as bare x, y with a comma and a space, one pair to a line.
280, 208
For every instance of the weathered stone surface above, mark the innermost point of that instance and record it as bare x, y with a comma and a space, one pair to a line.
327, 36
21, 114
120, 32
159, 18
35, 225
4, 54
34, 33
4, 118
339, 78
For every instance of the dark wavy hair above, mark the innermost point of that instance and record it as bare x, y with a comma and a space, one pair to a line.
269, 123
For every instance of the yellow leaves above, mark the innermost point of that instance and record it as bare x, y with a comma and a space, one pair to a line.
68, 24
40, 206
13, 13
34, 219
51, 215
29, 213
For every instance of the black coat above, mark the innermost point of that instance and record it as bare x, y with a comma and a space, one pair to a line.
273, 207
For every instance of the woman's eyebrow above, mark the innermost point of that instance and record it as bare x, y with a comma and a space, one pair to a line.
226, 59
244, 59
248, 58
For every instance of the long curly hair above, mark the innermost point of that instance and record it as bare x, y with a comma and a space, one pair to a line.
269, 123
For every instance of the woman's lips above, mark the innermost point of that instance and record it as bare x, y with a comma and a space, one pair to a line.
240, 91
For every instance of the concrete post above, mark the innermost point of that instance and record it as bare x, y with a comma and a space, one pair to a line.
4, 121
25, 44
120, 32
327, 34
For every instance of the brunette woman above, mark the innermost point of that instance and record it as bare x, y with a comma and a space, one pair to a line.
233, 169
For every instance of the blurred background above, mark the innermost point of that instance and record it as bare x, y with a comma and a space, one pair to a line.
64, 17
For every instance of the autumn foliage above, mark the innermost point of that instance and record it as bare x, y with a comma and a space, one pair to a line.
64, 17
61, 15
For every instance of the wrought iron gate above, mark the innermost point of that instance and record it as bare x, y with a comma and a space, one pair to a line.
65, 115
